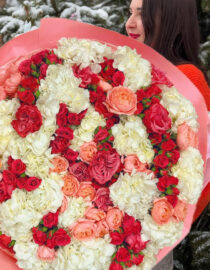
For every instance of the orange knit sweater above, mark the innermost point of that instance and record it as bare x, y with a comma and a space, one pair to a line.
197, 77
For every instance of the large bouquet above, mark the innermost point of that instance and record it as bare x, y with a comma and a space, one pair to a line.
99, 159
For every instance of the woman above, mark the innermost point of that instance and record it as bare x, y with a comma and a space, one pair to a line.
171, 28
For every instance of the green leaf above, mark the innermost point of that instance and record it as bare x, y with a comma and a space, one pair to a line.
12, 243
37, 93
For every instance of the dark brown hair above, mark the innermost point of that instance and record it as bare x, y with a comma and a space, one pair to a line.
171, 28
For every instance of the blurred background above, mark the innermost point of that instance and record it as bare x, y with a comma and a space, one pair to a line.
19, 16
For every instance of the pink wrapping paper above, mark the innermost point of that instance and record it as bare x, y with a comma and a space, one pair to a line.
52, 29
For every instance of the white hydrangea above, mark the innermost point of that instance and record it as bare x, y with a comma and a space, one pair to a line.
189, 171
161, 235
85, 132
137, 70
8, 109
61, 83
16, 218
82, 51
134, 194
131, 137
180, 109
26, 255
48, 197
85, 255
76, 209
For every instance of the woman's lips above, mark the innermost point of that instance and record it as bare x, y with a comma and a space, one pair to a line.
135, 36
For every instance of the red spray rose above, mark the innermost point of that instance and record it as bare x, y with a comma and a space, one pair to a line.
65, 132
39, 237
157, 119
154, 90
61, 238
3, 192
25, 67
29, 120
71, 155
50, 220
118, 78
168, 145
123, 255
115, 266
18, 167
26, 97
137, 260
135, 242
32, 183
117, 238
5, 241
161, 161
9, 177
59, 145
166, 181
101, 134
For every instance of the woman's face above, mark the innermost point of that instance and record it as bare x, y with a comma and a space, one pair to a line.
134, 26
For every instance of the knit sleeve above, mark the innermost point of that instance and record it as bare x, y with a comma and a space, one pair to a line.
197, 77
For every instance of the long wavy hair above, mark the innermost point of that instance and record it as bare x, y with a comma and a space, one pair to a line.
171, 28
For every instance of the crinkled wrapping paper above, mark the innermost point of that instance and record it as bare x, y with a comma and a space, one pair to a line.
52, 29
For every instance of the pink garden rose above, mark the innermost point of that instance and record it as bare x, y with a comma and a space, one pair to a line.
46, 254
186, 137
102, 199
71, 185
132, 162
64, 205
180, 211
121, 100
114, 218
104, 165
104, 85
86, 191
162, 211
101, 228
88, 151
83, 230
11, 84
95, 214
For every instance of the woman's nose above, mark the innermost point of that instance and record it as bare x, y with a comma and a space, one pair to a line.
131, 22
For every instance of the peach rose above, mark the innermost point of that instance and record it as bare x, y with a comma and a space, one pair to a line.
64, 205
121, 100
95, 214
186, 137
180, 211
102, 228
12, 83
71, 185
1, 176
60, 164
86, 191
88, 151
46, 254
83, 230
104, 85
162, 211
114, 218
3, 94
132, 162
